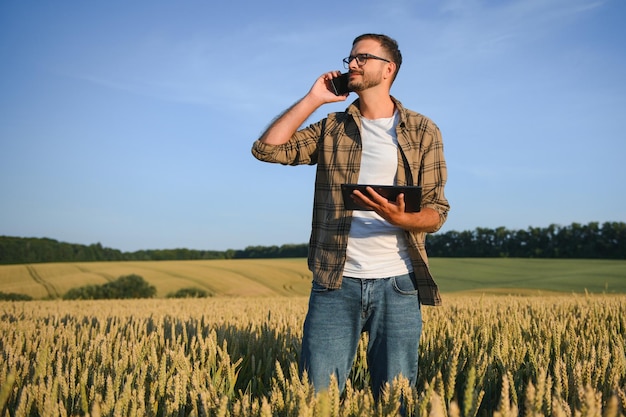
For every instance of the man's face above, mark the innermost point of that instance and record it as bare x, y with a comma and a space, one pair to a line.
369, 74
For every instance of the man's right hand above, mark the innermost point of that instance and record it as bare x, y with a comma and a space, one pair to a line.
322, 90
281, 130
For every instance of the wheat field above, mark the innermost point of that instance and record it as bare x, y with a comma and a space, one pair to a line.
237, 356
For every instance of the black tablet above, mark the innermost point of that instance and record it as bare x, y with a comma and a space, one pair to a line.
412, 195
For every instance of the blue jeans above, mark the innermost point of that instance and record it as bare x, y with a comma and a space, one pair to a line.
388, 309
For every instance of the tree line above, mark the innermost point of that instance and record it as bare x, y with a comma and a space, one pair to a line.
22, 250
593, 240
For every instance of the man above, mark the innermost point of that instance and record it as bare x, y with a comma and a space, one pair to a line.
370, 269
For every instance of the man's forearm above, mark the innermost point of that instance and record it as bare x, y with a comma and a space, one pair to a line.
427, 220
288, 123
285, 125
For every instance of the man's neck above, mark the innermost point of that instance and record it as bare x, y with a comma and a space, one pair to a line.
373, 105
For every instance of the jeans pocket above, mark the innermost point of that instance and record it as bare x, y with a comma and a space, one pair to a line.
318, 288
405, 284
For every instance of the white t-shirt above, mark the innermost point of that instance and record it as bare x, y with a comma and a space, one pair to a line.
377, 249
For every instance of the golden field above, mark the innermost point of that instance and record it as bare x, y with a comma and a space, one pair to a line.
513, 338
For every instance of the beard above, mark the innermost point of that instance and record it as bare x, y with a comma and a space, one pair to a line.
366, 81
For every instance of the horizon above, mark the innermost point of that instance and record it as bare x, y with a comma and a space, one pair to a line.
281, 244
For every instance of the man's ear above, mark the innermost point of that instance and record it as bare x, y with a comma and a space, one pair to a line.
389, 70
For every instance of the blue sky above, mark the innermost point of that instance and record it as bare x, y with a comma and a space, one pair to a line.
130, 123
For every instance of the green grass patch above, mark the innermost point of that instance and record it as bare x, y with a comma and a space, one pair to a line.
521, 275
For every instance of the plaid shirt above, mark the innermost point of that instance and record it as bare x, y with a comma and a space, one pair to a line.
334, 144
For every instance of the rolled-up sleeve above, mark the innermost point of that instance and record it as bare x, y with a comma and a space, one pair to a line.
434, 177
301, 149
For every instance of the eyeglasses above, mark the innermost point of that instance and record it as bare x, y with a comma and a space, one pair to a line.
361, 59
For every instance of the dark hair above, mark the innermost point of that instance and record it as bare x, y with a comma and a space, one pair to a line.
388, 44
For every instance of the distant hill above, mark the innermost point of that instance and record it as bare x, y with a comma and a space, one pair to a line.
291, 277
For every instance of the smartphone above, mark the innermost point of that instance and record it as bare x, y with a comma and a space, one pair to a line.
340, 84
